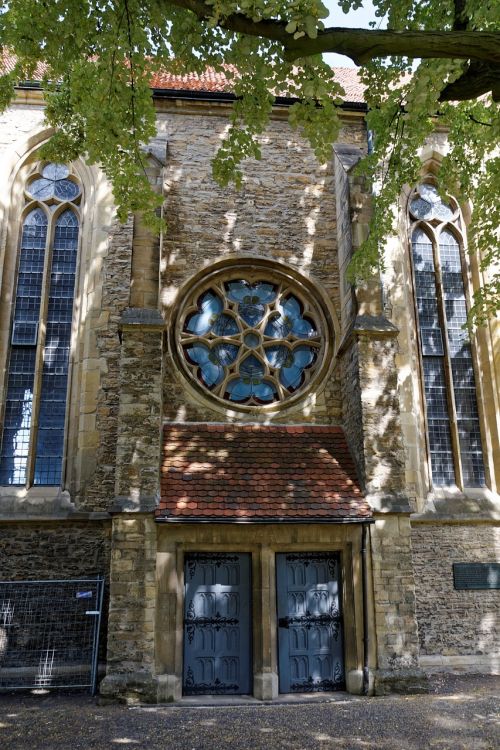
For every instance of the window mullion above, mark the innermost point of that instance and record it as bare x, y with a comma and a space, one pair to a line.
37, 383
447, 368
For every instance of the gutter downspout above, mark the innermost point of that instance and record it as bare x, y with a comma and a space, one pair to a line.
364, 583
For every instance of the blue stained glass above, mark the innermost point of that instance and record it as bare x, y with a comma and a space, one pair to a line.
292, 376
210, 306
50, 438
54, 171
278, 327
290, 320
54, 183
66, 190
210, 372
252, 368
421, 208
225, 325
304, 329
243, 291
303, 356
251, 314
224, 354
244, 361
18, 407
251, 340
42, 189
241, 390
278, 355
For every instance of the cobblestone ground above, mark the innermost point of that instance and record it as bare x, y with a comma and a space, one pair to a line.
461, 713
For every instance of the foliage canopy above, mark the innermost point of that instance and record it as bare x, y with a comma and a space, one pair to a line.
436, 64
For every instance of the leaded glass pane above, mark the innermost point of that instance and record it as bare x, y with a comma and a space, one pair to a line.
16, 437
18, 413
53, 183
21, 371
427, 205
50, 439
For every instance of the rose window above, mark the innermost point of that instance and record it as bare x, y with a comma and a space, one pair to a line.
251, 341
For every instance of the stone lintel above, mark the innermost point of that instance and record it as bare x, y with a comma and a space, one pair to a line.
402, 681
139, 504
142, 318
393, 503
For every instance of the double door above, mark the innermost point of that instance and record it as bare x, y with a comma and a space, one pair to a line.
218, 630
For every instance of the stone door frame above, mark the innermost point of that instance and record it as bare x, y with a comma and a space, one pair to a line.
175, 541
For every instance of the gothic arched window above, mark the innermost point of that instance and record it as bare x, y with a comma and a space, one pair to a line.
32, 440
453, 425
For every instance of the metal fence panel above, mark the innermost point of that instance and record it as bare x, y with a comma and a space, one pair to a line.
49, 633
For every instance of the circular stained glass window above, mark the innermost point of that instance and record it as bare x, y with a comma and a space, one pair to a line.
251, 338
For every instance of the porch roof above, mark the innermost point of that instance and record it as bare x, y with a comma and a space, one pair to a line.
266, 473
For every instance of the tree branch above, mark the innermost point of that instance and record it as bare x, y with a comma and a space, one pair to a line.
362, 45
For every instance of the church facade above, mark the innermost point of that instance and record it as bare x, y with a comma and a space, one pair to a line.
281, 477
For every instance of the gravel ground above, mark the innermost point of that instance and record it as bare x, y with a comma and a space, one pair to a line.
460, 713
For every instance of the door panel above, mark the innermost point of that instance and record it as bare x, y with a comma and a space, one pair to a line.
310, 638
217, 631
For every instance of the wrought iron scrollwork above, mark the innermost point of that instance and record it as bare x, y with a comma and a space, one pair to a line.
192, 622
329, 619
312, 685
306, 558
203, 558
200, 688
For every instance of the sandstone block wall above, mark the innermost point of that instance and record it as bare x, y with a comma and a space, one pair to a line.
131, 637
285, 211
455, 622
140, 413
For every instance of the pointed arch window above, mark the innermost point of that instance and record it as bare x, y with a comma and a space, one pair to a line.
453, 424
32, 439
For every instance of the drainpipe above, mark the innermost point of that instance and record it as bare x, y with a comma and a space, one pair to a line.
364, 579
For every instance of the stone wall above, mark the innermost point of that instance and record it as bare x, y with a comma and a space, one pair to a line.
352, 412
44, 550
131, 639
140, 411
383, 449
285, 211
394, 603
50, 550
100, 389
454, 623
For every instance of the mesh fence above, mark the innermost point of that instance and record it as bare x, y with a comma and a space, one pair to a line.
49, 633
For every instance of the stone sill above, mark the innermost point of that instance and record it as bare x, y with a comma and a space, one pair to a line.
454, 505
41, 504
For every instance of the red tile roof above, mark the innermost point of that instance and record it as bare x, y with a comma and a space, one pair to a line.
251, 472
216, 81
210, 80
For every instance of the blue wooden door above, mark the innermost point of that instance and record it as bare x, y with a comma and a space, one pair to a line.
217, 631
310, 639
